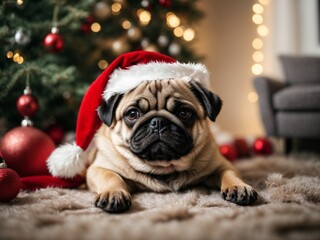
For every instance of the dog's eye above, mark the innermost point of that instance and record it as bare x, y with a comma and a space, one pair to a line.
185, 114
133, 114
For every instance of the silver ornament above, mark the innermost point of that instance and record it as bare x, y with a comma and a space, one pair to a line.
134, 33
145, 42
163, 40
22, 37
26, 122
102, 10
174, 49
69, 137
145, 3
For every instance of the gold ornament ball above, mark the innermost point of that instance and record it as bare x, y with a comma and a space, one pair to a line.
120, 46
152, 48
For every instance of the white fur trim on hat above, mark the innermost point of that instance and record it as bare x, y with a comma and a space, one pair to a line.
124, 80
66, 161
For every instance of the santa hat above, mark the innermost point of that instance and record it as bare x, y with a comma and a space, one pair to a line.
122, 75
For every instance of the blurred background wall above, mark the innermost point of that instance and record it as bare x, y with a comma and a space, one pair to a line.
225, 38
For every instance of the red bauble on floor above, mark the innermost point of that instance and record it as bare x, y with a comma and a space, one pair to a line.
25, 150
229, 152
262, 146
9, 183
242, 147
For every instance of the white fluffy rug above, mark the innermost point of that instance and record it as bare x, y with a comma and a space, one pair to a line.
289, 208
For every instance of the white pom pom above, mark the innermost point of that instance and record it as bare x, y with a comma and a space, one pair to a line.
65, 161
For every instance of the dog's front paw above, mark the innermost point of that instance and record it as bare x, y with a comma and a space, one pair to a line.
242, 195
113, 201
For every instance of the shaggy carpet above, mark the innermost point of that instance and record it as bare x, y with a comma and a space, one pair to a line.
288, 208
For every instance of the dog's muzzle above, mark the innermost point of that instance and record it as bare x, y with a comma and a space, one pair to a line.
160, 139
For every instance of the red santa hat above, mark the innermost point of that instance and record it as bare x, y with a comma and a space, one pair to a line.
122, 75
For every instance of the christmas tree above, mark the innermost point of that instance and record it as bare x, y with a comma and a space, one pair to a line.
59, 47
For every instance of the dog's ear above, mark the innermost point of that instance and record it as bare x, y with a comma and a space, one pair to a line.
107, 109
210, 101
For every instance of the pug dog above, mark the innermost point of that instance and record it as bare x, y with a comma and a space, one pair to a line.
157, 137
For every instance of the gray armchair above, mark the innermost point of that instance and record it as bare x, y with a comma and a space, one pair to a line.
291, 109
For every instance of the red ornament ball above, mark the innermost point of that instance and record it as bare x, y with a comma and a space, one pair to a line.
25, 150
54, 42
27, 105
10, 184
262, 146
85, 28
242, 147
165, 3
86, 25
56, 132
229, 152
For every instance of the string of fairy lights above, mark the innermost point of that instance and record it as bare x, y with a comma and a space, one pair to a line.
173, 21
16, 56
103, 10
257, 43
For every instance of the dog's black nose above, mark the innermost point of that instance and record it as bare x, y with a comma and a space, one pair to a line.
158, 123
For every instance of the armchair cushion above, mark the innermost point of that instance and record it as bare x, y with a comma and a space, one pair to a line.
301, 69
298, 124
291, 108
298, 98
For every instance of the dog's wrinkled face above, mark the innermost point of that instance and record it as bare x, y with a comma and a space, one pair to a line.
160, 123
159, 136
